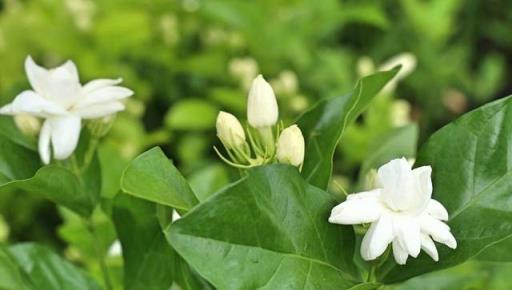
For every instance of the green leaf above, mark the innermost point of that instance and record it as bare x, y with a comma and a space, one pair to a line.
59, 185
148, 258
153, 177
268, 230
193, 114
324, 124
472, 178
498, 252
46, 270
11, 275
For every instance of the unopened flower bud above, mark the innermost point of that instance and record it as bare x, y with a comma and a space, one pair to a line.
262, 108
28, 125
100, 127
290, 146
230, 131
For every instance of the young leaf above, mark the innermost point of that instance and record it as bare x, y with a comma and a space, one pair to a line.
324, 124
153, 177
267, 230
46, 270
472, 178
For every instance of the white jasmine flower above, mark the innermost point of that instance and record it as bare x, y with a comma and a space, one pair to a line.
60, 99
401, 212
290, 146
262, 111
229, 130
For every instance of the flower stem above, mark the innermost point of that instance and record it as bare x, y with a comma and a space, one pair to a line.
372, 277
101, 258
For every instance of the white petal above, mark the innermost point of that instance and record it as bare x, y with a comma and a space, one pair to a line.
359, 208
67, 71
37, 76
437, 210
31, 103
429, 247
99, 83
423, 187
65, 135
438, 230
407, 232
377, 238
104, 95
100, 110
399, 253
399, 184
44, 142
64, 92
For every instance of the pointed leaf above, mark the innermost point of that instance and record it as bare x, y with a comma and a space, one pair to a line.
153, 177
268, 230
324, 124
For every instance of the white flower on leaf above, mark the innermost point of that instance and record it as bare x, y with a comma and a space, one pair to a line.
401, 212
262, 110
60, 99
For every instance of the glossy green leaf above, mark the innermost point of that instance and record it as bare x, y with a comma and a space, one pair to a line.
9, 131
153, 177
268, 230
148, 258
324, 124
499, 252
46, 270
472, 178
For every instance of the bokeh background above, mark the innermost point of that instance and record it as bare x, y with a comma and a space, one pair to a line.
188, 59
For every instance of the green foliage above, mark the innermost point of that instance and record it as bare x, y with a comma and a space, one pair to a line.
152, 176
323, 125
36, 267
471, 173
268, 230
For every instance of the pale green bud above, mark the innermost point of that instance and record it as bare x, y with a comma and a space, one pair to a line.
28, 125
100, 127
290, 146
230, 131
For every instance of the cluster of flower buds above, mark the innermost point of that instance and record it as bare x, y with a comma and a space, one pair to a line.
261, 145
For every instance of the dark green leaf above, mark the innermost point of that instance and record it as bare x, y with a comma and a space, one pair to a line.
153, 177
268, 230
324, 124
148, 258
472, 177
48, 271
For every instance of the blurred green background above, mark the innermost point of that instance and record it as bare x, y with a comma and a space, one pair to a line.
188, 59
